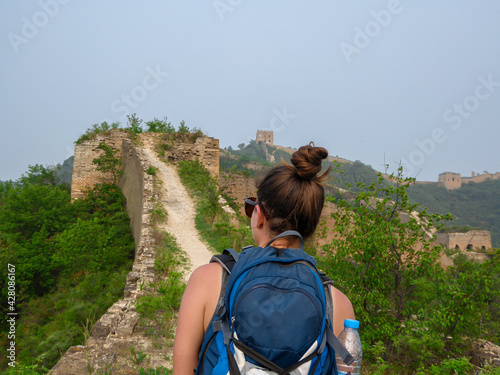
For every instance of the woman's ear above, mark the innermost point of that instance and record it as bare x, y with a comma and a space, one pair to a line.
261, 218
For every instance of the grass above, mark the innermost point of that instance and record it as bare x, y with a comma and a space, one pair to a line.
217, 228
158, 308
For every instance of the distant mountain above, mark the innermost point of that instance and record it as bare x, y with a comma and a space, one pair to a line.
474, 204
66, 171
252, 158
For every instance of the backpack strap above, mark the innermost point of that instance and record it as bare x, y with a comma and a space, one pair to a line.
327, 282
227, 260
340, 350
286, 234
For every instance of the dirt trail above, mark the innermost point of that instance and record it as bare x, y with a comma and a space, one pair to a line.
180, 212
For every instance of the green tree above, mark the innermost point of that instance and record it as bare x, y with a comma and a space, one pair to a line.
5, 187
422, 316
108, 162
183, 128
40, 175
31, 215
380, 250
71, 262
95, 129
92, 245
134, 124
34, 208
160, 126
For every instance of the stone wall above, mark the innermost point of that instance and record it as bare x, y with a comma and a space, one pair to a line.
132, 185
473, 239
108, 348
178, 147
265, 136
450, 180
478, 178
238, 187
85, 174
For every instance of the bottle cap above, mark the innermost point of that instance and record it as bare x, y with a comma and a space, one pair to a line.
351, 323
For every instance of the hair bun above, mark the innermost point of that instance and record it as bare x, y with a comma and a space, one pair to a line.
307, 160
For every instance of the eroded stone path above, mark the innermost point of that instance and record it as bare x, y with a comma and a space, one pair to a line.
181, 212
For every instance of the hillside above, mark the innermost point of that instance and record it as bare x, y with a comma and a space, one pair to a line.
251, 158
134, 334
473, 205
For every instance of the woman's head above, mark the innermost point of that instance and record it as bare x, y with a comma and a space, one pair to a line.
293, 195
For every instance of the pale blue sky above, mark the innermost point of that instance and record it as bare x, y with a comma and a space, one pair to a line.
417, 81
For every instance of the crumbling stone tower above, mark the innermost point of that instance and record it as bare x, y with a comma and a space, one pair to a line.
450, 180
265, 136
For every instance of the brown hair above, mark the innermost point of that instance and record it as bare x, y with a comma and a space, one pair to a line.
293, 195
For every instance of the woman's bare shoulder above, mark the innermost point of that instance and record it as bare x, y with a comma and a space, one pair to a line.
209, 270
342, 309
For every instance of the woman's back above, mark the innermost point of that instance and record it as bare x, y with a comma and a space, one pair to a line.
289, 198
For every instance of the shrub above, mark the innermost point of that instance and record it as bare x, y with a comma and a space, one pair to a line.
134, 124
151, 171
160, 126
95, 129
424, 317
183, 129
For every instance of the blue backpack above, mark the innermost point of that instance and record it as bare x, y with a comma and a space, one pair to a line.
273, 316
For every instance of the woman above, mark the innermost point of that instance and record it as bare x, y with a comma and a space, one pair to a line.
290, 197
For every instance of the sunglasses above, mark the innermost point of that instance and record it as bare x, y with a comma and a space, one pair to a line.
250, 204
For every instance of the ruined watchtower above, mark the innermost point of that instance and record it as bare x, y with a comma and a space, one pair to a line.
265, 136
450, 180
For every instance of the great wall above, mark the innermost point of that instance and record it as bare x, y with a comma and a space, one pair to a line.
107, 350
452, 180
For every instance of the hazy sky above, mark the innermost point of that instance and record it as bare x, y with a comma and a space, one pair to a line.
411, 81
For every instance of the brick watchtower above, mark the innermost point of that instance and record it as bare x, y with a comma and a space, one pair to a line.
265, 136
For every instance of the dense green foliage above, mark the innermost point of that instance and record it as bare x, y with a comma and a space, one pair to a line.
416, 317
108, 161
474, 204
237, 160
344, 176
135, 126
95, 129
160, 126
71, 261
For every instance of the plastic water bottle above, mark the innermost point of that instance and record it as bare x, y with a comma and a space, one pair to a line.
349, 337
